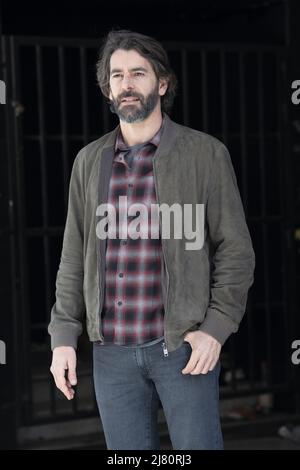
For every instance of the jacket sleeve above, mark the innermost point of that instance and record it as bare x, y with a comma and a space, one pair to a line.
233, 259
67, 313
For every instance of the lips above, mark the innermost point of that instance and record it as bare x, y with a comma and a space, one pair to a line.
130, 100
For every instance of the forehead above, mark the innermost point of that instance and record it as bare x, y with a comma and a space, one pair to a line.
123, 59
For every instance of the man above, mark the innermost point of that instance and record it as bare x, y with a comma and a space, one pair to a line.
158, 308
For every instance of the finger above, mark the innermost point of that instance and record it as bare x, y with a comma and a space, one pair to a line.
202, 363
70, 389
58, 373
62, 387
208, 366
60, 376
194, 358
61, 383
68, 393
213, 364
67, 390
72, 373
53, 372
69, 385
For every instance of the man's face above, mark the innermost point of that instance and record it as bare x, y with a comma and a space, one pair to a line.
134, 88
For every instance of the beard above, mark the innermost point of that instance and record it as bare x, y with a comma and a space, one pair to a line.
138, 111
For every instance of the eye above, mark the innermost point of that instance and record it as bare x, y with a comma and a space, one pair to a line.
116, 75
139, 73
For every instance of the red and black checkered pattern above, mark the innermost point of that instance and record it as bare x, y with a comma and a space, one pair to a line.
133, 307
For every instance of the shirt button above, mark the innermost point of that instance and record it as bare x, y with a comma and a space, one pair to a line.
121, 274
119, 303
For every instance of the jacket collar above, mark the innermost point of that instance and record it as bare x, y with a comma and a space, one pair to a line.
169, 134
120, 144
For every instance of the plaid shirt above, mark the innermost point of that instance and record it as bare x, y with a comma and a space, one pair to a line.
133, 308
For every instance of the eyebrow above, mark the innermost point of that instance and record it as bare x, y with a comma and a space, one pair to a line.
133, 69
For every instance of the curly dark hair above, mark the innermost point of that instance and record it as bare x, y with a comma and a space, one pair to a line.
147, 47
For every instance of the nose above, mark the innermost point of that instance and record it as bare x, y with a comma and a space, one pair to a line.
127, 83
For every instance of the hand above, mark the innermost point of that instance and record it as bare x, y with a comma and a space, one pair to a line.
64, 358
205, 353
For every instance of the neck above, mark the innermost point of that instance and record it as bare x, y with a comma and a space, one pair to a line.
140, 132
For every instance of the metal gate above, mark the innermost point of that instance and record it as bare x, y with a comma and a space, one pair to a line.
54, 108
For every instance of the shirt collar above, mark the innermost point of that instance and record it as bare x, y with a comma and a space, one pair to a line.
121, 145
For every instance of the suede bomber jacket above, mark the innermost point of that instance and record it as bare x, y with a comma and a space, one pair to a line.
204, 288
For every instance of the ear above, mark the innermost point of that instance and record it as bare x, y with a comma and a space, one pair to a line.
163, 86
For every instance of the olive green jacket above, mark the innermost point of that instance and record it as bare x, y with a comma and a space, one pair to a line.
203, 289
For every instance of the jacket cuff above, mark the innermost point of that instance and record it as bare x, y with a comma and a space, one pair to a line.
64, 338
217, 325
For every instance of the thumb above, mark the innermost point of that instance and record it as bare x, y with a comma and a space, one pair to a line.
72, 375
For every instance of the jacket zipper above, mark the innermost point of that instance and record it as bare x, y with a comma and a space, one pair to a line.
100, 308
165, 260
100, 291
165, 350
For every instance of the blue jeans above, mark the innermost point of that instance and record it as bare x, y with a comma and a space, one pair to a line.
131, 381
